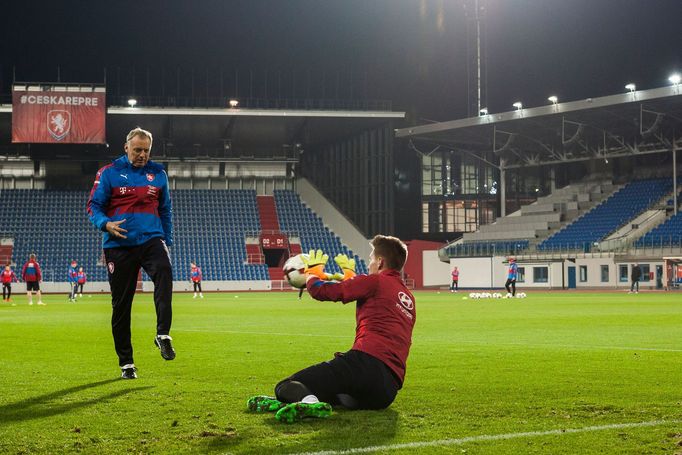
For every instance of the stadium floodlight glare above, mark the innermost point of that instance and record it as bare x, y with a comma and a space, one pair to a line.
233, 103
132, 102
675, 79
518, 105
630, 87
483, 111
553, 99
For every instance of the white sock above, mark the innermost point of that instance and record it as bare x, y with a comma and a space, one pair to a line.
310, 399
163, 337
129, 365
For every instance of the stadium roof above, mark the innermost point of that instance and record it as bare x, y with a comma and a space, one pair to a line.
627, 124
226, 133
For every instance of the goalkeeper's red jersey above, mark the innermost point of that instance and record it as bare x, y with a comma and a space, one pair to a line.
385, 314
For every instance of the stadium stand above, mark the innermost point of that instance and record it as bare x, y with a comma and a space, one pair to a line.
619, 208
667, 233
211, 228
296, 218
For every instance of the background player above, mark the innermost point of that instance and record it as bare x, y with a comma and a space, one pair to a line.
81, 278
195, 277
454, 286
8, 277
72, 276
32, 276
512, 272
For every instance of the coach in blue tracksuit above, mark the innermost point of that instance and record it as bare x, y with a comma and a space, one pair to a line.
130, 202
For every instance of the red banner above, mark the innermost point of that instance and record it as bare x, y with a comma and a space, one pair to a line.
58, 117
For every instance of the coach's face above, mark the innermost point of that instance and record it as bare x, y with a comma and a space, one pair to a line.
138, 150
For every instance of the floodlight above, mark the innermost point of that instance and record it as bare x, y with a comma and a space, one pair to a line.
630, 87
518, 105
233, 103
675, 78
553, 99
132, 102
483, 111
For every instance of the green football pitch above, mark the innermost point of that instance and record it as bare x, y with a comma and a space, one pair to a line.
553, 373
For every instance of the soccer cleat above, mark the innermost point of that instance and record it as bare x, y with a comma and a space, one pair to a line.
128, 372
297, 411
163, 342
263, 403
41, 303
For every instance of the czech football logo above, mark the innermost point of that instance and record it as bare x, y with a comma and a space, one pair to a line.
110, 266
405, 300
150, 177
59, 124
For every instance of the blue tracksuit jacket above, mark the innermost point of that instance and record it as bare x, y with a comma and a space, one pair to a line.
139, 195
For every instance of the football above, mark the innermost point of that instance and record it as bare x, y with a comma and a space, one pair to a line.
293, 271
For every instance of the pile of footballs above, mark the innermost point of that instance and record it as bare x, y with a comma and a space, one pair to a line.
494, 295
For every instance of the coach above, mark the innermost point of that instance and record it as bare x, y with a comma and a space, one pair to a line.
130, 202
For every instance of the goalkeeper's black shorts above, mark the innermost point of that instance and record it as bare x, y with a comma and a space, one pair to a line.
366, 379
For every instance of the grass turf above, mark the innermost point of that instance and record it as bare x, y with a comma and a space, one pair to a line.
551, 361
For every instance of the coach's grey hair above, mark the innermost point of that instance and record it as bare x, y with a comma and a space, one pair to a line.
140, 132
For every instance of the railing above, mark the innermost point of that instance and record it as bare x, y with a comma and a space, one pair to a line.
667, 244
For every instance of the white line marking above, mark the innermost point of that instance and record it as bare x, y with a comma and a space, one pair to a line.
493, 437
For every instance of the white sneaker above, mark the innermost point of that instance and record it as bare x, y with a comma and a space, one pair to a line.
201, 295
41, 303
81, 295
30, 303
195, 296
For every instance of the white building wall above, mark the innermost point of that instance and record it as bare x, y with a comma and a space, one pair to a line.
436, 272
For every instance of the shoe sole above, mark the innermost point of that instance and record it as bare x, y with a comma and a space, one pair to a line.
298, 411
264, 403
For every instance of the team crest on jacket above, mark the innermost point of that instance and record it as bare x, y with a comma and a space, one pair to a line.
58, 124
110, 266
150, 177
405, 300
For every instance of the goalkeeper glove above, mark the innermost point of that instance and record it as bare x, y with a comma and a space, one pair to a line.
315, 262
347, 265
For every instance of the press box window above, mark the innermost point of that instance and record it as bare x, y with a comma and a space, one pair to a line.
521, 275
604, 273
583, 273
623, 273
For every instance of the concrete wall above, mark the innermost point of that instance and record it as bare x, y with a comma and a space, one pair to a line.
436, 272
334, 219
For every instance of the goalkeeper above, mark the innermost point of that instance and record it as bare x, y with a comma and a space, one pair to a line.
369, 375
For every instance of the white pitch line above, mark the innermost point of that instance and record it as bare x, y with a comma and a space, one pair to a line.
493, 437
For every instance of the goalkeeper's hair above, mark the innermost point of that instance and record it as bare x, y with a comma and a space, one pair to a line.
391, 249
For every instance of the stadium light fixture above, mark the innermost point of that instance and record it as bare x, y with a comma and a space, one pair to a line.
518, 105
483, 111
233, 103
675, 79
631, 87
132, 102
553, 99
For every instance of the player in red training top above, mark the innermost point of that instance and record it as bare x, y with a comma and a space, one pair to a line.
195, 278
454, 287
32, 276
369, 375
7, 277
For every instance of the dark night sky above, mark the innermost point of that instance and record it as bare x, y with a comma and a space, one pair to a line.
411, 51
